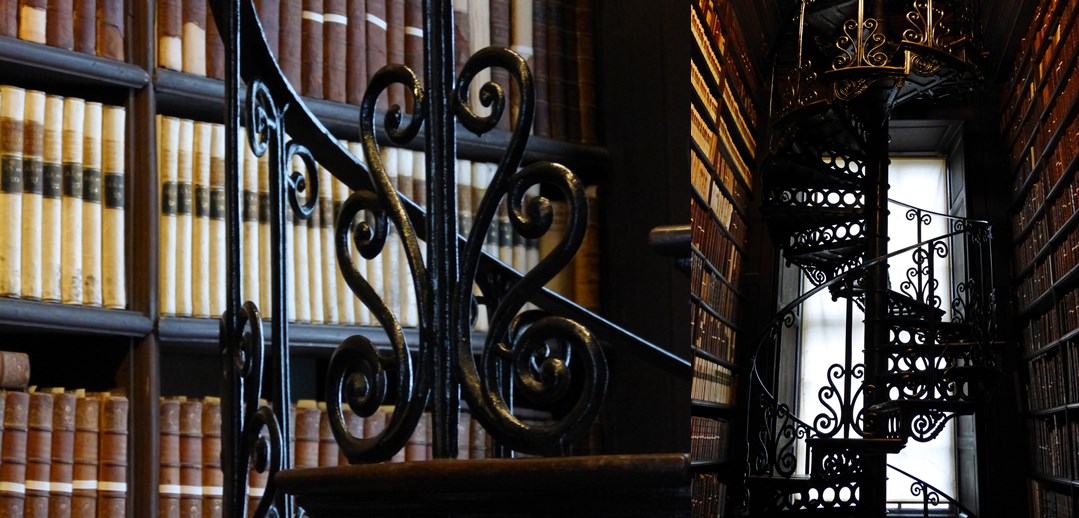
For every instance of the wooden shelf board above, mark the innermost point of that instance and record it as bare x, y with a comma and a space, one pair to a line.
23, 59
29, 315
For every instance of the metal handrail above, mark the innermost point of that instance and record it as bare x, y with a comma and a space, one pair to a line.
928, 492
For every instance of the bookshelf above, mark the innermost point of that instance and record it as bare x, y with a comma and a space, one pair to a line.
1041, 130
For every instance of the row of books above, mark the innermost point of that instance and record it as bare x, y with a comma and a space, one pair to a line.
712, 382
1040, 332
1068, 309
708, 496
62, 199
1048, 502
63, 453
711, 334
719, 26
715, 245
1035, 284
1056, 451
90, 26
192, 234
342, 43
719, 191
708, 438
1052, 382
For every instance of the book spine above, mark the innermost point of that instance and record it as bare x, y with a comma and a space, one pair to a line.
395, 46
479, 37
168, 184
391, 270
85, 467
562, 282
464, 439
113, 274
265, 252
414, 40
250, 222
112, 479
314, 265
461, 34
13, 453
376, 41
170, 46
409, 313
63, 454
191, 459
328, 451
329, 265
301, 294
9, 18
312, 48
290, 265
32, 178
60, 24
12, 108
14, 370
335, 49
499, 28
307, 436
291, 56
345, 300
571, 110
217, 220
184, 217
478, 189
416, 447
269, 12
464, 196
85, 22
200, 233
542, 66
356, 58
213, 479
586, 72
215, 47
477, 446
32, 20
51, 199
556, 86
586, 264
505, 234
38, 455
521, 42
91, 206
110, 29
71, 228
168, 490
193, 37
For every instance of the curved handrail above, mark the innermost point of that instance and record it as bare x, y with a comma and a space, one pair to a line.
934, 213
927, 486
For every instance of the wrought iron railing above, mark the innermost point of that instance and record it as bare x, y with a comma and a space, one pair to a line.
934, 502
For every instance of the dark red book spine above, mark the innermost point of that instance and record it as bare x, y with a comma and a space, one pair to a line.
395, 45
586, 71
556, 87
112, 475
269, 12
60, 24
311, 57
540, 61
500, 37
110, 29
63, 454
376, 41
38, 455
356, 59
291, 25
215, 48
414, 41
571, 111
334, 49
13, 453
191, 459
86, 26
168, 492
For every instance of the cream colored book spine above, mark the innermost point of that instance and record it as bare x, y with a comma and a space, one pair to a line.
409, 310
362, 312
184, 218
51, 198
194, 37
113, 267
217, 220
505, 229
390, 265
478, 188
302, 293
91, 206
168, 175
479, 37
265, 254
562, 282
250, 218
290, 264
329, 265
12, 106
32, 20
32, 174
346, 301
71, 224
521, 39
200, 233
314, 262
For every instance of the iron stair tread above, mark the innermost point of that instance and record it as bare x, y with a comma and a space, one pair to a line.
835, 251
825, 124
802, 170
950, 372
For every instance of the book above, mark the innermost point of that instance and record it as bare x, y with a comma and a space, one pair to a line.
71, 282
306, 452
213, 479
168, 185
85, 21
311, 48
51, 199
84, 482
38, 454
328, 451
170, 46
9, 19
265, 242
460, 33
290, 266
14, 370
193, 37
499, 30
113, 270
418, 442
13, 453
354, 425
168, 458
335, 49
356, 58
541, 66
12, 107
571, 110
200, 231
477, 443
112, 465
562, 282
32, 178
556, 86
190, 458
91, 206
250, 219
464, 435
395, 47
478, 184
409, 311
269, 12
60, 24
32, 20
63, 453
377, 41
110, 29
215, 47
414, 40
331, 312
364, 267
291, 56
586, 264
217, 220
391, 264
479, 37
346, 302
314, 262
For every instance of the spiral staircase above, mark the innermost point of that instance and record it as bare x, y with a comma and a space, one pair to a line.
825, 202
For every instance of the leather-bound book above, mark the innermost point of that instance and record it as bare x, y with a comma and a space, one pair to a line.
12, 107
9, 18
500, 37
571, 93
542, 63
395, 45
170, 47
522, 33
334, 49
215, 48
168, 489
52, 199
191, 459
356, 55
586, 264
14, 370
32, 178
328, 451
91, 206
32, 20
416, 447
63, 453
376, 42
331, 312
354, 425
110, 29
60, 24
112, 475
38, 455
113, 283
13, 454
586, 71
185, 217
479, 37
556, 77
408, 313
414, 41
291, 56
307, 437
464, 433
194, 37
269, 12
213, 479
461, 36
85, 468
312, 48
85, 22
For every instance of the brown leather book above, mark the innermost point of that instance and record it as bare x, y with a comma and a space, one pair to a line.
63, 453
14, 370
215, 48
354, 424
194, 37
168, 490
500, 37
328, 452
13, 454
334, 49
395, 45
571, 110
541, 62
84, 19
112, 464
60, 24
356, 57
413, 42
306, 450
586, 71
38, 455
461, 34
477, 440
110, 29
85, 453
256, 484
9, 18
291, 55
191, 459
556, 60
311, 41
416, 447
170, 46
32, 20
376, 41
269, 12
213, 479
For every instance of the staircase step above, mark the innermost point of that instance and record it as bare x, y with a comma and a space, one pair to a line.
812, 170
